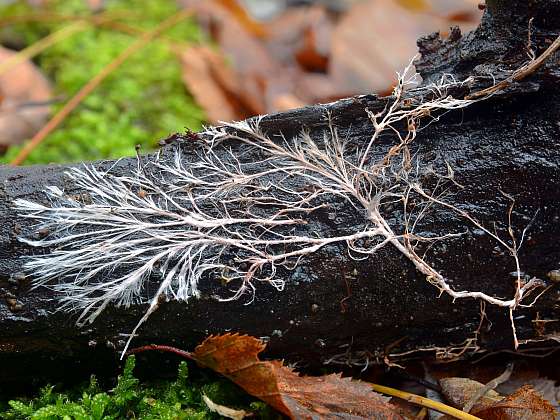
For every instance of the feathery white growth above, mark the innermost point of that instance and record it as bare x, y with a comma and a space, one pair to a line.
178, 222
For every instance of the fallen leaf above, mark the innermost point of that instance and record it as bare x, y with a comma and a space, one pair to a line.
309, 54
300, 41
214, 85
524, 404
459, 391
309, 57
268, 68
224, 411
376, 38
301, 397
529, 376
254, 66
24, 101
287, 30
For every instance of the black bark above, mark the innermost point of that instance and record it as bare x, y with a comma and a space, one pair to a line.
332, 304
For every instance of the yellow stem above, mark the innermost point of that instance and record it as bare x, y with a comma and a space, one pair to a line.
424, 402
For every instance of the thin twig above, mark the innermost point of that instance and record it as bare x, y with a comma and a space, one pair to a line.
103, 20
80, 23
132, 30
157, 347
95, 81
41, 45
48, 17
521, 353
520, 73
424, 402
488, 387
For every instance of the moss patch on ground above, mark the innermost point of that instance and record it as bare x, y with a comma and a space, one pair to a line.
142, 101
130, 398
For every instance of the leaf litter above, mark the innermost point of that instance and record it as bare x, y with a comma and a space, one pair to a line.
316, 53
236, 357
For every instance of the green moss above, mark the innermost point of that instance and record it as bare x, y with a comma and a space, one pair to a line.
178, 399
142, 101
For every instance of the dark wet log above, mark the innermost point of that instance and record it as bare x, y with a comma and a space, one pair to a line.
333, 305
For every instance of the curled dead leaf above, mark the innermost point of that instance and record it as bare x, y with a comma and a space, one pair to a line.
216, 87
547, 388
236, 357
524, 404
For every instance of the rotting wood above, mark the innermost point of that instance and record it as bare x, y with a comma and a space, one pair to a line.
334, 309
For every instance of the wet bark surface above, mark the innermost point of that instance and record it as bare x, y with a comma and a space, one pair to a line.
332, 304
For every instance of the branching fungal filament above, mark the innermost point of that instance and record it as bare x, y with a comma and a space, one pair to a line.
220, 214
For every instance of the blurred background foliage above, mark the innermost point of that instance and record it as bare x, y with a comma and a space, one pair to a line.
233, 59
141, 102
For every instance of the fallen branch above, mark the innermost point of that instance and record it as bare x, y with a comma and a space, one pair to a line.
325, 228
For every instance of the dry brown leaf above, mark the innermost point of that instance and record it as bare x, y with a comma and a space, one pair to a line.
267, 68
309, 55
24, 96
198, 67
214, 85
253, 65
373, 41
376, 38
303, 36
300, 41
529, 375
332, 396
524, 404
